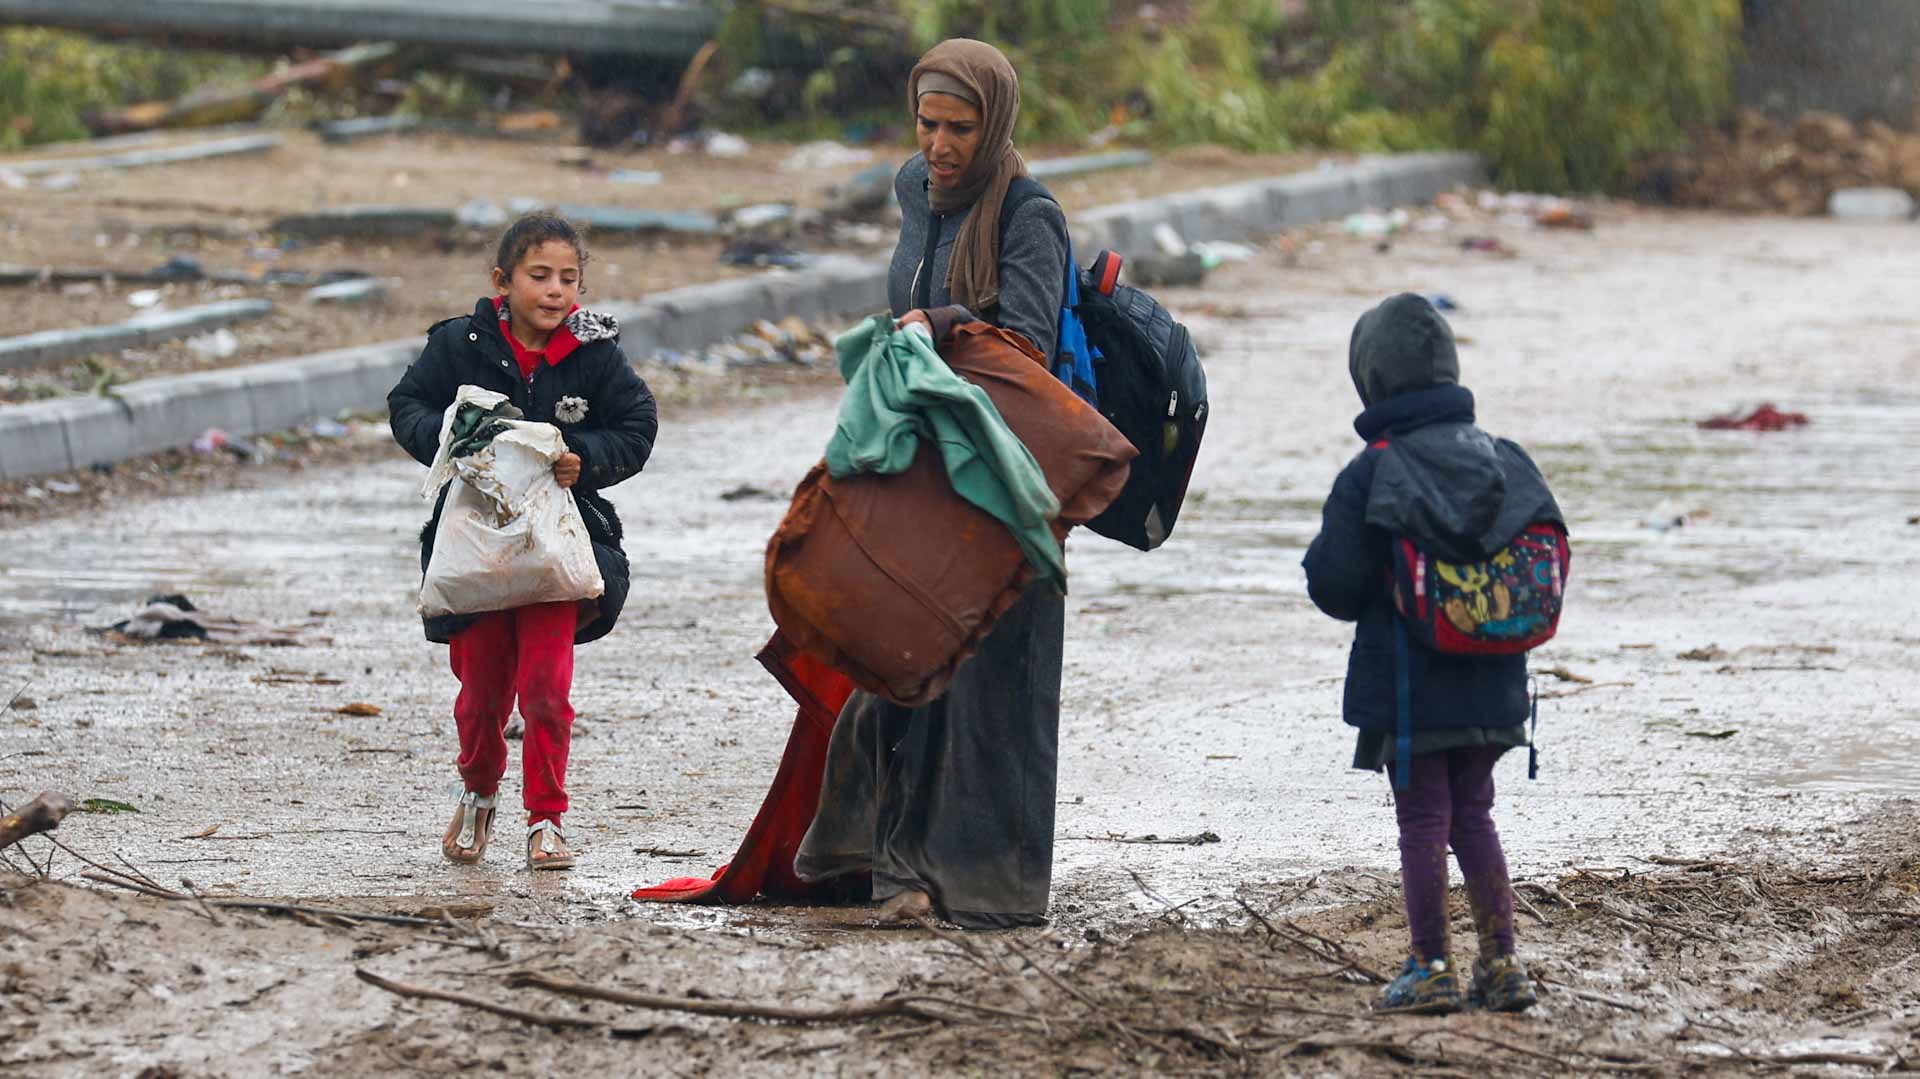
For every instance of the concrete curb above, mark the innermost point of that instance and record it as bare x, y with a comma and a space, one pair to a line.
34, 349
162, 413
1236, 211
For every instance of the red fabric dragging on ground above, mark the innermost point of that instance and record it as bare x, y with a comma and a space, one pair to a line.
764, 863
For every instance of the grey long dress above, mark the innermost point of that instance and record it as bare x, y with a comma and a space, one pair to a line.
955, 798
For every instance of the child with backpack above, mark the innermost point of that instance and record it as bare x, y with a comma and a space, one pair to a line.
561, 364
1446, 548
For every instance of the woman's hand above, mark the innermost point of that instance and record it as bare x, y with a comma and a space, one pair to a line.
912, 317
566, 469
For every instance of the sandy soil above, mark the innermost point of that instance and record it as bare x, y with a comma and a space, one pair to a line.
1727, 735
218, 212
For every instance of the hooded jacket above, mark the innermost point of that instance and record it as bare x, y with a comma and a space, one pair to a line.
604, 411
1428, 474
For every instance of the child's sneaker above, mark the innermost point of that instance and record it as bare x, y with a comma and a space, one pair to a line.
1501, 985
1430, 987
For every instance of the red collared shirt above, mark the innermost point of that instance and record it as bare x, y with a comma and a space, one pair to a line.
559, 346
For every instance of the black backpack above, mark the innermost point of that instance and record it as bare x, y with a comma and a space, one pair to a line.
1146, 381
1153, 390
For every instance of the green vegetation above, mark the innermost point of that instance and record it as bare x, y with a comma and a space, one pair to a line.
50, 80
1558, 94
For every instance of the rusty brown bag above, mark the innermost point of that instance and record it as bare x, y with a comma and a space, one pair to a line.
895, 580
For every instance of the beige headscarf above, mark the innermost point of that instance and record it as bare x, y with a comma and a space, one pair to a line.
973, 270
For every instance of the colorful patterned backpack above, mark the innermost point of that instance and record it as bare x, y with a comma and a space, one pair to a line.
1504, 604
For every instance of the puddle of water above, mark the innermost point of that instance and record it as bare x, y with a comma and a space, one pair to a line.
1883, 758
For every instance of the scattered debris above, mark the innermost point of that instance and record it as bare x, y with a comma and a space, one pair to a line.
755, 251
174, 617
280, 676
221, 344
1160, 271
107, 805
1168, 240
177, 269
1491, 245
1216, 252
721, 144
866, 192
1063, 167
1712, 653
43, 814
1764, 418
1369, 225
825, 154
1198, 839
361, 290
621, 219
1669, 515
1715, 735
1761, 165
358, 708
363, 127
1564, 675
760, 216
214, 439
792, 340
22, 703
143, 298
141, 331
642, 177
133, 159
1871, 204
211, 105
747, 492
662, 852
344, 222
1564, 216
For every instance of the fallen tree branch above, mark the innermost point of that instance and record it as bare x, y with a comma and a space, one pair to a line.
918, 1007
122, 880
418, 992
43, 814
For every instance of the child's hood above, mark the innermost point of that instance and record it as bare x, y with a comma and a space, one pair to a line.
1401, 346
1458, 490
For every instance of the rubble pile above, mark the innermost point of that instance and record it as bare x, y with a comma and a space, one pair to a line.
1762, 165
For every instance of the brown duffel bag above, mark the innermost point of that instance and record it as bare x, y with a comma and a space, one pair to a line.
895, 580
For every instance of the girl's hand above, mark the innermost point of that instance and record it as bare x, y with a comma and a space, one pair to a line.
566, 469
912, 317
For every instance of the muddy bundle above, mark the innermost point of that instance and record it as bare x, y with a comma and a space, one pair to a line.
1761, 165
894, 580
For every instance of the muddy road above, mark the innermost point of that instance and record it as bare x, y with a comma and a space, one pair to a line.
1733, 677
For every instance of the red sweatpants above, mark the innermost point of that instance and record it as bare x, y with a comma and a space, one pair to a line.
525, 653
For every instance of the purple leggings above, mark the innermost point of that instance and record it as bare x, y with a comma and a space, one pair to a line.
1449, 799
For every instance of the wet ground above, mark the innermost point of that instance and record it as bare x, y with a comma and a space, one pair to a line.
1201, 687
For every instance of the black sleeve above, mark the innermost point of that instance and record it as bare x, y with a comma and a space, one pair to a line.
617, 448
419, 401
1347, 562
1033, 273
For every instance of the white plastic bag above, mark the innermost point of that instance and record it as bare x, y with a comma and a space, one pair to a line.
509, 534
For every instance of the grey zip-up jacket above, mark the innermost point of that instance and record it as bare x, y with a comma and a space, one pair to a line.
1033, 260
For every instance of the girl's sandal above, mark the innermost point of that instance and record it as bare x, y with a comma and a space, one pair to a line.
547, 847
466, 837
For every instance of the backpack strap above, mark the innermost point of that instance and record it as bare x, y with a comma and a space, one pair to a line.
1402, 708
1073, 354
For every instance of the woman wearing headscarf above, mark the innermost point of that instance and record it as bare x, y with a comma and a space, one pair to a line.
950, 805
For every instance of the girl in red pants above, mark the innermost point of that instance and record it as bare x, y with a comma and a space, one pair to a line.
561, 364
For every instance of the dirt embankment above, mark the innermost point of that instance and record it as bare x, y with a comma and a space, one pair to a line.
1732, 965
